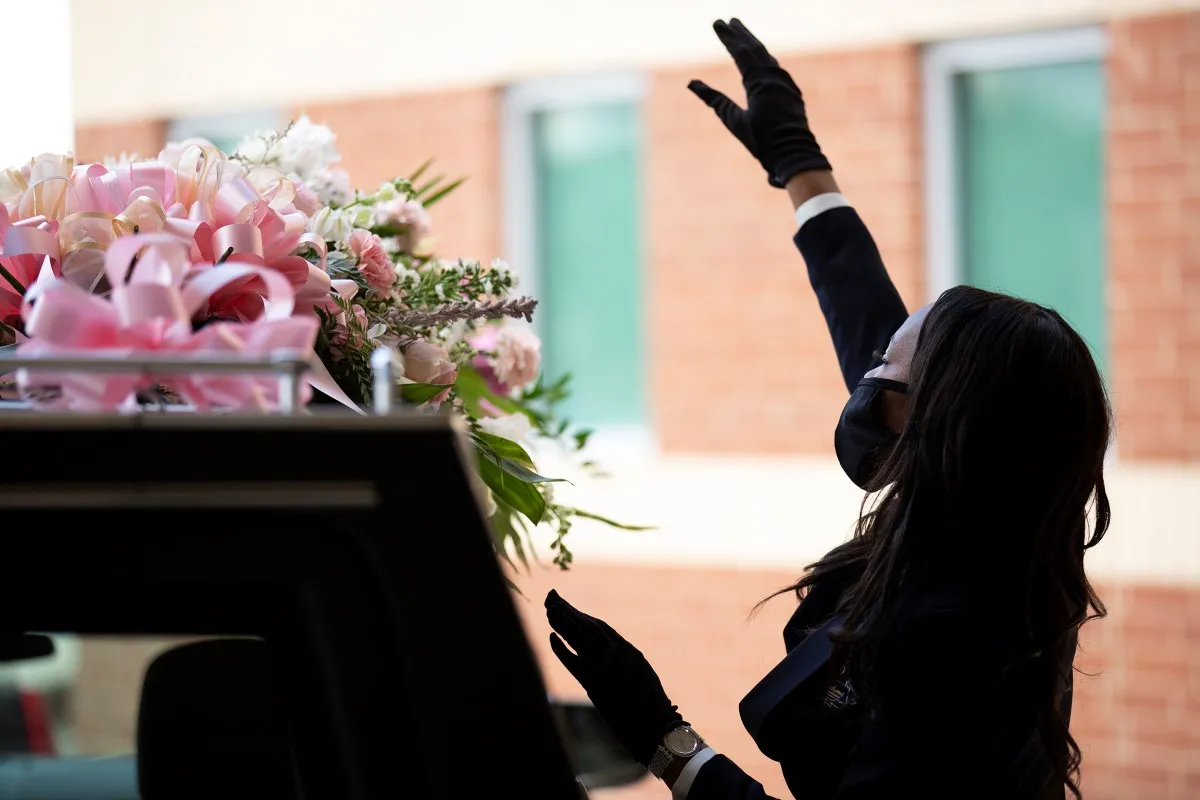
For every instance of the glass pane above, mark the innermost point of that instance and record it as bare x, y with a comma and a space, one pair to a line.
1032, 192
589, 252
68, 721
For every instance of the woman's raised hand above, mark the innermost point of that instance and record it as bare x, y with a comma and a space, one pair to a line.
774, 124
619, 681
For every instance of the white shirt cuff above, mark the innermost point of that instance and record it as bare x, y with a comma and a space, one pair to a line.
684, 782
819, 205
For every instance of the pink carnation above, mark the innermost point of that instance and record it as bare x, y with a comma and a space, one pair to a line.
511, 356
373, 261
410, 215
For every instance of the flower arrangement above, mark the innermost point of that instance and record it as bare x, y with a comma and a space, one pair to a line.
270, 248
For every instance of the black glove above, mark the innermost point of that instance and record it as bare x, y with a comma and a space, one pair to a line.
773, 126
619, 681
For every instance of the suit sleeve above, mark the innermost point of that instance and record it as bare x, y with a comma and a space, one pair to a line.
861, 305
721, 779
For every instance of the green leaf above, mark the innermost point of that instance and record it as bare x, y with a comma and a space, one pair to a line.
420, 171
505, 448
440, 193
471, 388
503, 531
581, 438
509, 582
589, 515
521, 496
428, 186
509, 456
386, 231
418, 393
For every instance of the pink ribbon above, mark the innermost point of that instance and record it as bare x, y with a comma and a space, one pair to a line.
111, 191
25, 247
149, 310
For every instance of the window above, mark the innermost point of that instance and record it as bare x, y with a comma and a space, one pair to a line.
1015, 129
573, 151
82, 700
225, 130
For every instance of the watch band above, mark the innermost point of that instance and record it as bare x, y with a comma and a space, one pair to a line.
662, 759
665, 754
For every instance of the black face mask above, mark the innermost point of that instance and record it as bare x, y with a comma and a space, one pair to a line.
861, 437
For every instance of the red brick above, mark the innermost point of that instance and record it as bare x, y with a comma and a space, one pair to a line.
95, 141
742, 248
1153, 171
382, 137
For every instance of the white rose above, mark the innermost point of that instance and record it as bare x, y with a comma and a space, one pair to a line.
308, 148
514, 427
387, 191
332, 186
361, 216
332, 225
253, 148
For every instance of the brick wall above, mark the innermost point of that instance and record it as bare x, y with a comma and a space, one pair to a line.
739, 356
1136, 716
382, 137
1154, 241
1137, 706
95, 141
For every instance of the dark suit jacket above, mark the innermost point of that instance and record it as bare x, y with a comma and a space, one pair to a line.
953, 714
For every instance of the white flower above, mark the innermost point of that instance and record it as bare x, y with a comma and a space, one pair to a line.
387, 191
332, 225
503, 271
259, 148
361, 216
454, 332
514, 427
406, 277
308, 148
332, 186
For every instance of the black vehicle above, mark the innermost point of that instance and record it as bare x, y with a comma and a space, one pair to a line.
343, 651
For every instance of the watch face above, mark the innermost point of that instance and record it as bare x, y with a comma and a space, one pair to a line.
682, 742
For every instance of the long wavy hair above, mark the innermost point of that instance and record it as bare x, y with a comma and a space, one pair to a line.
1008, 425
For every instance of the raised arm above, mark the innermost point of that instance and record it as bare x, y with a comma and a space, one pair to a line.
861, 306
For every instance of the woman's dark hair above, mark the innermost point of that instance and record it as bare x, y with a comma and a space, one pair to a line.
1003, 450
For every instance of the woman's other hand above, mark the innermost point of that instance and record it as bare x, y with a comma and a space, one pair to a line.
774, 124
618, 679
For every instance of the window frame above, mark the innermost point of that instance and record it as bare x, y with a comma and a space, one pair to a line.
520, 102
233, 125
941, 64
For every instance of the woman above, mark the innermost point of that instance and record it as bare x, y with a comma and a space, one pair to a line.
930, 656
